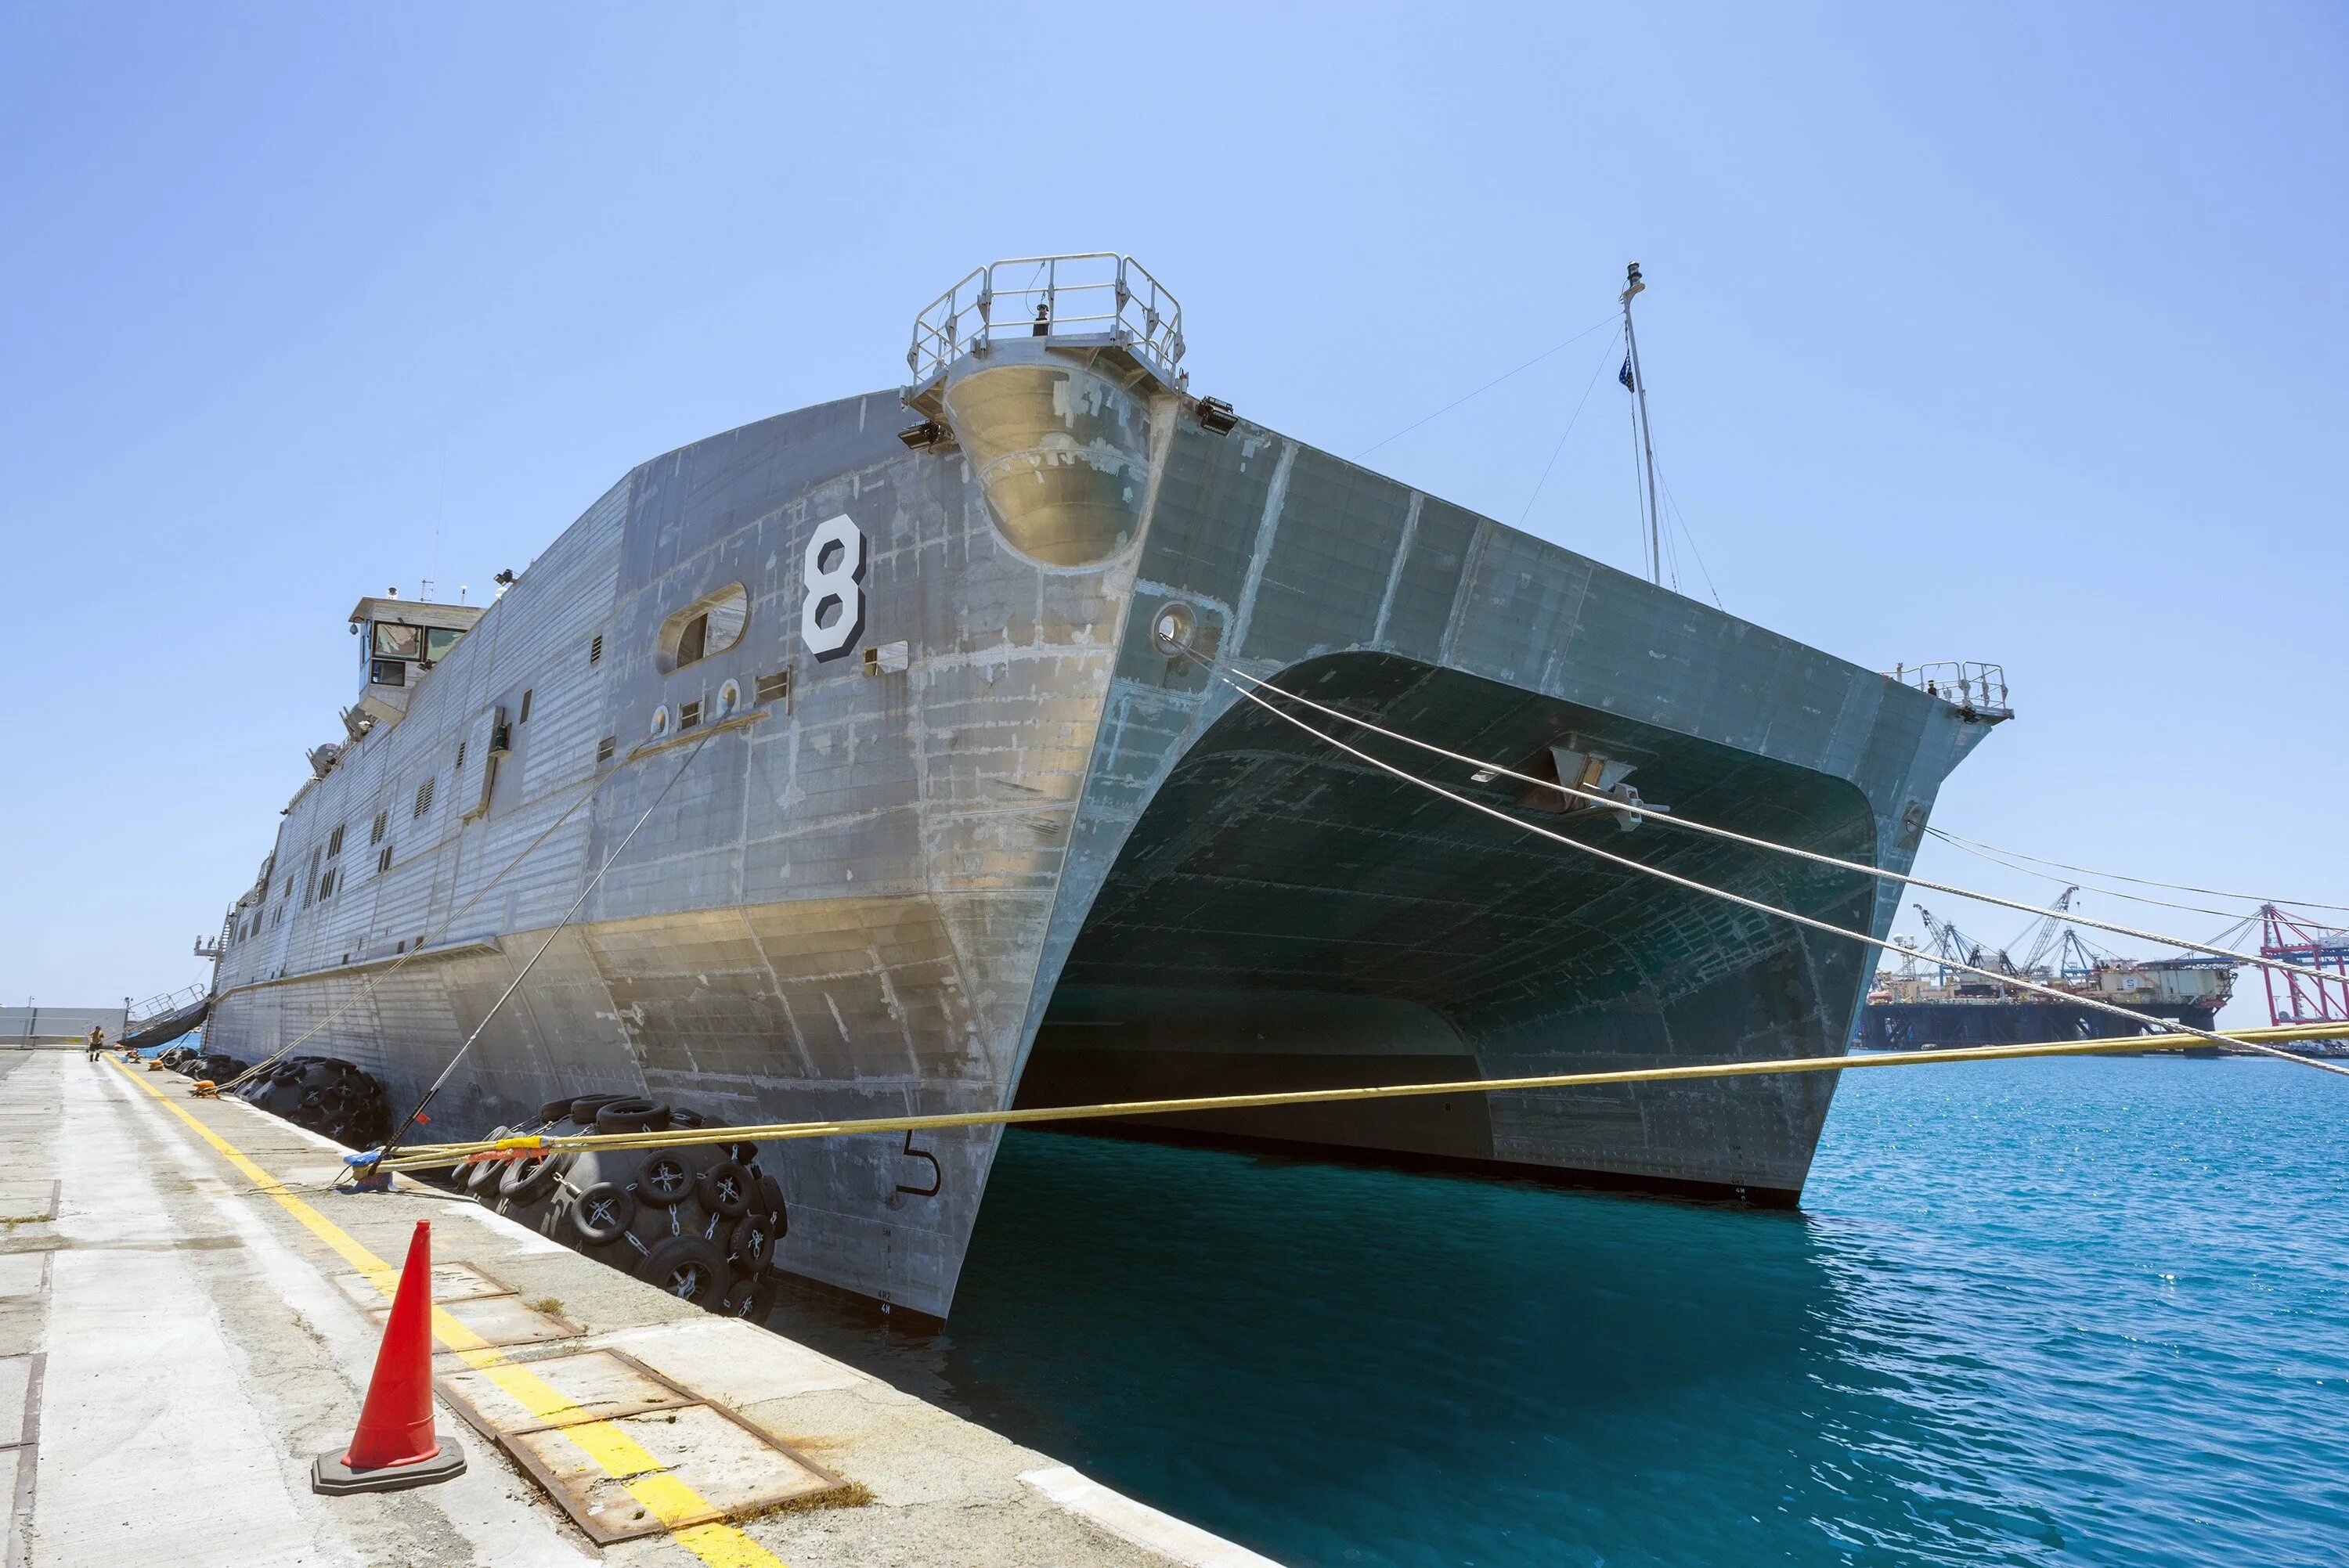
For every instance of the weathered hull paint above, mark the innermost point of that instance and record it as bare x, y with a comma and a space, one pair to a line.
1050, 861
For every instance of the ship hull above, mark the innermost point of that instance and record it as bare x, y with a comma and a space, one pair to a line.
1927, 1025
1022, 841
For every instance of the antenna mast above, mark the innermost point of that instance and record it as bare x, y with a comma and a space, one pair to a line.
1633, 286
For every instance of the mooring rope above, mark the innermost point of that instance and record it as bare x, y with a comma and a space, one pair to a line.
368, 983
1673, 819
430, 1156
2237, 919
2154, 1033
2142, 881
1756, 904
524, 973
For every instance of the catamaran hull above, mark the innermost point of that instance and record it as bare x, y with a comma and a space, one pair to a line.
1017, 837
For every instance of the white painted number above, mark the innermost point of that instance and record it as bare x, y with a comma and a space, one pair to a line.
832, 610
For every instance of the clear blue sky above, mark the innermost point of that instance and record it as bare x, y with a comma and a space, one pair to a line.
1996, 332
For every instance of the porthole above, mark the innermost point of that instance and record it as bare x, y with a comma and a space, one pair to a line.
730, 697
660, 721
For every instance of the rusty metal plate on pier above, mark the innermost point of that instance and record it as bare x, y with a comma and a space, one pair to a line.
590, 1425
503, 1320
495, 1311
451, 1282
599, 1385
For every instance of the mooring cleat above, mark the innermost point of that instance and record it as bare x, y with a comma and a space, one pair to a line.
365, 1173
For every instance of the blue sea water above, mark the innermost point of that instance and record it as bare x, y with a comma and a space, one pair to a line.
2042, 1312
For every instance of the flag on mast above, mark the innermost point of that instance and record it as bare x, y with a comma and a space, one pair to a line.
1624, 375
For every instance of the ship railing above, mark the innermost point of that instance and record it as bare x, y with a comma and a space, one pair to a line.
169, 1002
1979, 689
1096, 296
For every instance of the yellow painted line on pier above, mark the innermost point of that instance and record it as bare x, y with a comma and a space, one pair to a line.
646, 1479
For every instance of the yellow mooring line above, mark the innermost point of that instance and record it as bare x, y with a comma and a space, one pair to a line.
619, 1456
425, 1156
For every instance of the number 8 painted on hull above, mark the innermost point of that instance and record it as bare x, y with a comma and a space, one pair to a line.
833, 570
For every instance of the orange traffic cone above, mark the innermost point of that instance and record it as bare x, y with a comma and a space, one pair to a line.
396, 1445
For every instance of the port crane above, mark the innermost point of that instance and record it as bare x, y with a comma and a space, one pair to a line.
2054, 950
1951, 945
2297, 939
1956, 947
2049, 929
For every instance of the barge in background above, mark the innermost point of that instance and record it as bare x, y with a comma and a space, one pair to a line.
959, 811
1923, 1001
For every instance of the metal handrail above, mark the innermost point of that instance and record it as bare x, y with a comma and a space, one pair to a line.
167, 1003
1093, 294
1961, 683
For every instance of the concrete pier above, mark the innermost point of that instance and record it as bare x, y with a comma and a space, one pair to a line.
188, 1317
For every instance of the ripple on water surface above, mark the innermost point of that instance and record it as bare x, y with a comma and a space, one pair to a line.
2036, 1312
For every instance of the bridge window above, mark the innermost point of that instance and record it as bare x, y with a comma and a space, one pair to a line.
394, 641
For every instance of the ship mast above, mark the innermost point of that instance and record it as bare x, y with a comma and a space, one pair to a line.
1647, 439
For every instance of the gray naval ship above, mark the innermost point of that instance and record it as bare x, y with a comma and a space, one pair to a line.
947, 806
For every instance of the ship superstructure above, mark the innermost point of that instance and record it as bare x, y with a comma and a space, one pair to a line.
917, 696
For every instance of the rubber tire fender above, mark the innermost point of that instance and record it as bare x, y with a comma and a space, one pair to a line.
633, 1114
529, 1179
688, 1268
726, 1189
480, 1176
584, 1109
750, 1299
603, 1212
664, 1180
771, 1203
751, 1243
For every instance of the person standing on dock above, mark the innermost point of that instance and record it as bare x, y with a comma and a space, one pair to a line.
97, 1040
